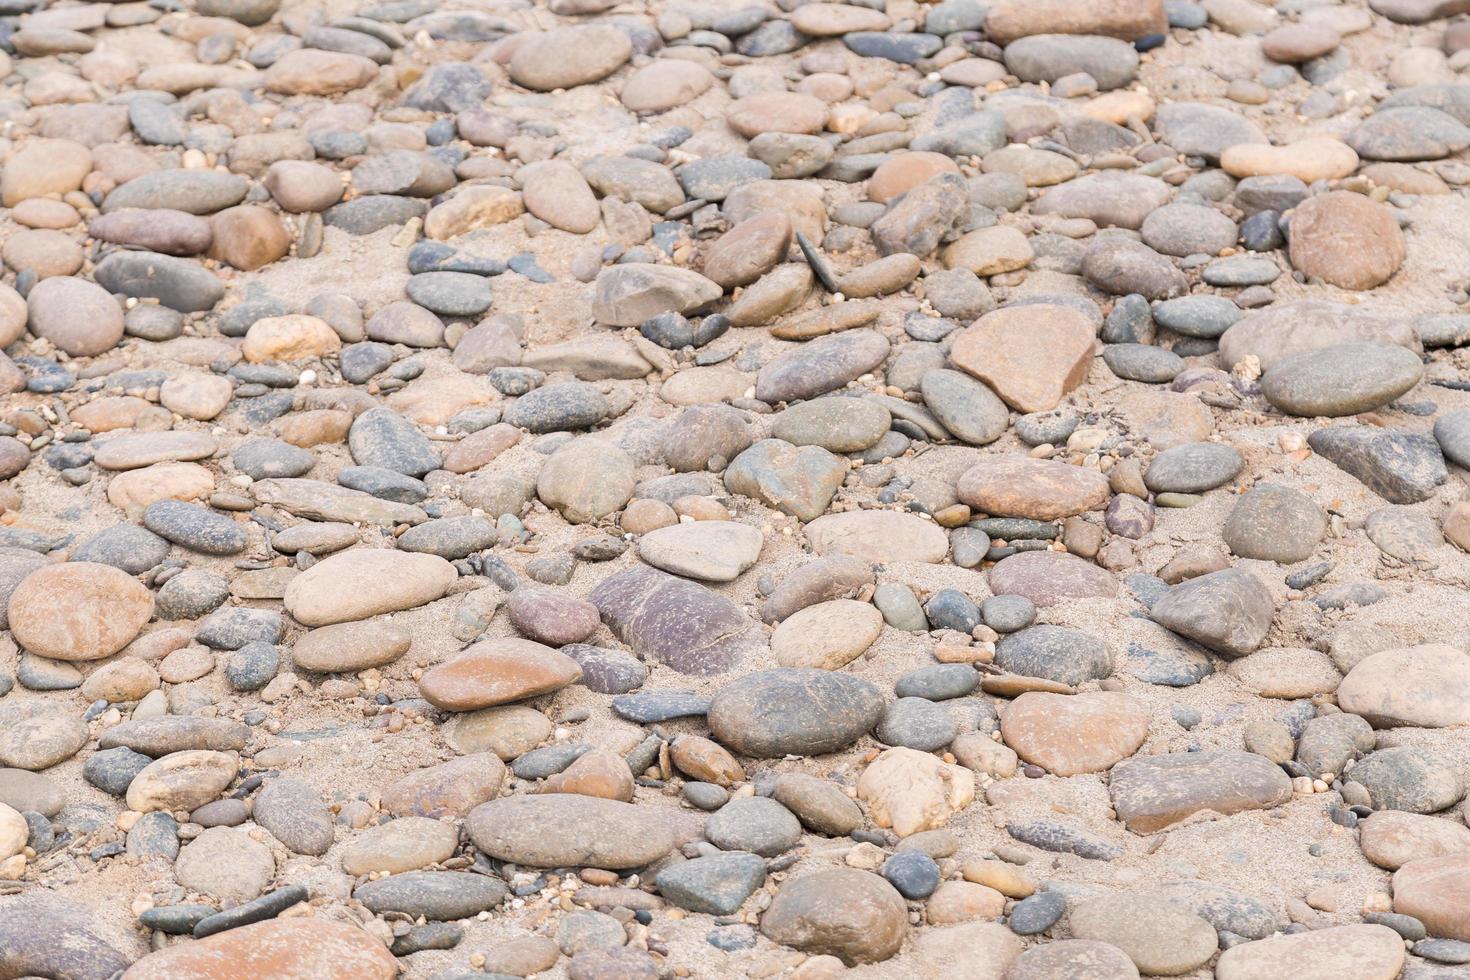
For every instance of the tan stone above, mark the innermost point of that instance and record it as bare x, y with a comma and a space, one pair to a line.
598, 773
705, 760
776, 112
911, 791
450, 789
405, 844
1359, 952
827, 635
248, 237
1425, 686
990, 252
473, 208
316, 427
903, 172
963, 901
1031, 355
1346, 240
665, 84
293, 337
1012, 485
1393, 838
132, 491
182, 780
1436, 891
365, 582
1076, 733
315, 947
749, 250
1005, 878
1129, 20
1309, 159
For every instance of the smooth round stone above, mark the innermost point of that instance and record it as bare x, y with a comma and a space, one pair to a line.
952, 609
1343, 380
1197, 316
1045, 578
194, 527
455, 294
78, 611
1308, 160
900, 607
1409, 133
1008, 613
965, 407
182, 780
495, 672
128, 547
78, 316
558, 407
1141, 362
435, 895
774, 713
191, 594
1452, 432
916, 723
1271, 522
755, 824
1034, 915
363, 582
1193, 468
1423, 686
1188, 229
294, 815
711, 551
913, 873
112, 770
1364, 950
1158, 936
853, 915
1014, 485
25, 791
382, 438
570, 56
551, 618
1346, 240
607, 671
567, 830
937, 682
839, 425
826, 635
1410, 778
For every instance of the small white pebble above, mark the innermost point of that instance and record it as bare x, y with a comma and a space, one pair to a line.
307, 377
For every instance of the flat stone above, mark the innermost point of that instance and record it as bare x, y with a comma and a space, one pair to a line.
793, 712
1049, 577
1160, 937
1400, 467
1346, 240
1372, 952
820, 366
365, 582
1153, 792
1013, 485
1058, 654
1271, 522
1030, 356
826, 635
1072, 734
878, 536
309, 946
497, 671
799, 481
439, 896
566, 830
1227, 611
78, 611
1342, 380
675, 622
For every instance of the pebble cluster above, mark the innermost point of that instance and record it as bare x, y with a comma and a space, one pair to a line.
696, 488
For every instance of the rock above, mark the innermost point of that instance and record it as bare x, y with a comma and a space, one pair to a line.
712, 551
821, 365
1020, 486
1308, 160
1192, 467
308, 71
1423, 686
566, 830
1071, 957
1344, 380
1055, 653
1362, 950
826, 635
1227, 611
1031, 356
837, 577
799, 481
293, 814
559, 407
1046, 578
78, 611
1409, 133
1124, 267
497, 672
1072, 734
1346, 240
663, 85
1008, 21
1410, 778
586, 481
52, 937
1401, 468
570, 56
176, 283
75, 315
818, 804
298, 946
853, 915
912, 791
438, 896
756, 824
450, 789
182, 780
1271, 522
628, 294
337, 590
674, 621
839, 425
968, 409
1048, 57
1197, 129
774, 713
1109, 199
878, 536
1393, 838
194, 527
1154, 792
1158, 936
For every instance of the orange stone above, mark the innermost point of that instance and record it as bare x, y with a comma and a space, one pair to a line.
1013, 485
297, 947
1436, 891
1077, 733
497, 672
900, 174
1031, 355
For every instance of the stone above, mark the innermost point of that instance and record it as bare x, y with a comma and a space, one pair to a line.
968, 409
1423, 686
450, 789
337, 590
308, 946
50, 936
1008, 21
1160, 937
853, 915
294, 815
1343, 380
1072, 734
912, 791
717, 884
1393, 838
711, 551
1198, 129
1192, 468
1227, 611
821, 365
1048, 57
1013, 485
1361, 950
497, 672
826, 635
1071, 957
1271, 522
77, 316
1409, 133
836, 577
1124, 267
878, 536
182, 780
78, 611
799, 481
818, 804
1054, 653
1400, 467
570, 56
434, 895
1308, 160
774, 713
676, 622
1346, 240
1046, 578
1029, 355
567, 830
1410, 778
756, 824
1152, 793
